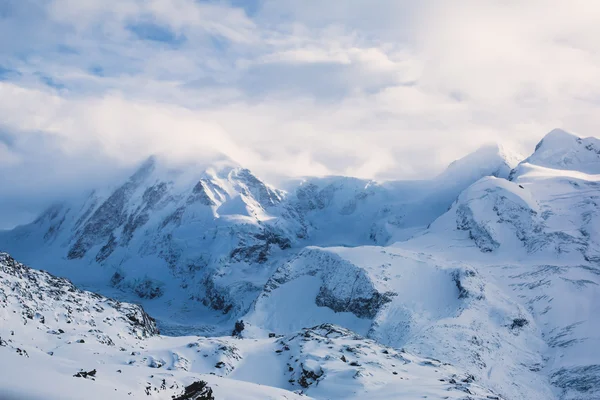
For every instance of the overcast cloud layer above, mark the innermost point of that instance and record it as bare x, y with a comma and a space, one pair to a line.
378, 89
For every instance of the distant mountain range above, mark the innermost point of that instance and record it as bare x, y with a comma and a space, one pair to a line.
480, 283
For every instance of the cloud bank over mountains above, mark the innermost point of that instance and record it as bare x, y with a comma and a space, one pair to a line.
391, 89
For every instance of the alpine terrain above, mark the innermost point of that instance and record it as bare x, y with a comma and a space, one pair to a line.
187, 282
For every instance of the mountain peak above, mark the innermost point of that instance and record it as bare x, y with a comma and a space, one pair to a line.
144, 169
491, 159
563, 150
556, 137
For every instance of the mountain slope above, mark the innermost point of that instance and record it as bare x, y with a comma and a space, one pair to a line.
436, 308
69, 342
537, 237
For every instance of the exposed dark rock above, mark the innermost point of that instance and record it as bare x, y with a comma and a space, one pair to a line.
308, 377
466, 222
116, 278
254, 187
257, 247
56, 224
462, 292
173, 218
200, 194
519, 323
155, 363
110, 215
237, 330
133, 223
215, 298
198, 390
93, 202
362, 307
583, 380
83, 374
310, 197
22, 352
107, 249
148, 289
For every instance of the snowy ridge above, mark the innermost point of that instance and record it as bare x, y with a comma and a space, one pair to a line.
563, 150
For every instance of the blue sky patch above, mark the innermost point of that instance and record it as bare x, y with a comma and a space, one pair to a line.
156, 33
64, 49
96, 70
51, 82
7, 74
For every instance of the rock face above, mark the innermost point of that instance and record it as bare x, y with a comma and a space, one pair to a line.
344, 287
198, 390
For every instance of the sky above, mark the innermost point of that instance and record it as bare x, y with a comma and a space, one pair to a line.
384, 89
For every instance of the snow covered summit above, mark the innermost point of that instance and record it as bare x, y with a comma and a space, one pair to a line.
490, 160
565, 151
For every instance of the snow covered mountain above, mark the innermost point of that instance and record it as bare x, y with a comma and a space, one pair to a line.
206, 242
492, 268
537, 236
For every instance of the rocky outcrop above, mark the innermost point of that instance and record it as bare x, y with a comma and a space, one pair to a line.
344, 287
251, 186
351, 355
478, 232
55, 303
109, 216
198, 390
257, 247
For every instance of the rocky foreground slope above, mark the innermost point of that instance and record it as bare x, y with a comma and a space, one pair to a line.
492, 268
58, 342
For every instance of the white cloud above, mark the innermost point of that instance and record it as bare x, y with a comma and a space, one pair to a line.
373, 89
183, 16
